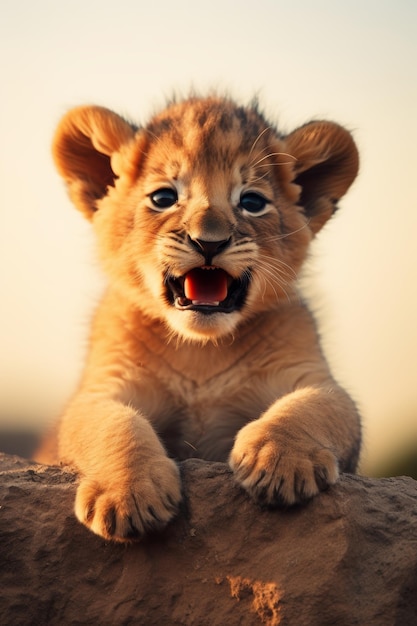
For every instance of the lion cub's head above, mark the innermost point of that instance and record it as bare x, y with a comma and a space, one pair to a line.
204, 215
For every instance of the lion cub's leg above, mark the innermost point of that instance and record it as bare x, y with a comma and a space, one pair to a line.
128, 486
297, 447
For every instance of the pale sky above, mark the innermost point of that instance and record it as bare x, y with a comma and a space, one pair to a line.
354, 62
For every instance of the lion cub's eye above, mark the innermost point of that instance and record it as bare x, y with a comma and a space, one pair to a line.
163, 198
253, 203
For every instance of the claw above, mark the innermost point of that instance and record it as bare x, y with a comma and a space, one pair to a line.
89, 513
321, 477
173, 504
133, 532
151, 510
261, 477
299, 486
110, 522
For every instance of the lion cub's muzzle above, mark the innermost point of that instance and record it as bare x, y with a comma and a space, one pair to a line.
208, 288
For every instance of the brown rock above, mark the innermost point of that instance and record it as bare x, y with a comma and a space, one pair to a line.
348, 557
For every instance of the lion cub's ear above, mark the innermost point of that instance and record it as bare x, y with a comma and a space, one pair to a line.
327, 163
85, 148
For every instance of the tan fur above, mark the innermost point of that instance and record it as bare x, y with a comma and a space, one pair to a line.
162, 382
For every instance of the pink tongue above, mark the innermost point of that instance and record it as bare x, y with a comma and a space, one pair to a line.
208, 286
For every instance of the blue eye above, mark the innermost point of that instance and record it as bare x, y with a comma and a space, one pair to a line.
164, 198
252, 202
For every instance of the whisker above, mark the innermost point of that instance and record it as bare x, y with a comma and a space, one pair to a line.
276, 276
271, 154
263, 153
278, 265
285, 235
275, 281
258, 178
257, 139
274, 164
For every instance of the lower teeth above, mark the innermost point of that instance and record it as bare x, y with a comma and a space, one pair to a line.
183, 302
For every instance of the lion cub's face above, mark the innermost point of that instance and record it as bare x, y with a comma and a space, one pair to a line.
210, 222
204, 216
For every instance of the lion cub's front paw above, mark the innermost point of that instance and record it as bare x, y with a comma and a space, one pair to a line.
279, 466
124, 508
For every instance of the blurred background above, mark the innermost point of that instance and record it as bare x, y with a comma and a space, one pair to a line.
353, 62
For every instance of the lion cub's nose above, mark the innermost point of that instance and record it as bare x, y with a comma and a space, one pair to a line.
209, 249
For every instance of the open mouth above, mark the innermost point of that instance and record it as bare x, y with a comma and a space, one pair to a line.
208, 289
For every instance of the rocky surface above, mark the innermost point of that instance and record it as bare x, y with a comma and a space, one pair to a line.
348, 557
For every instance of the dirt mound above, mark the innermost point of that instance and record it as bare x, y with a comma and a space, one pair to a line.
348, 557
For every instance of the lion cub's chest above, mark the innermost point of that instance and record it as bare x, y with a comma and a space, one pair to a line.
200, 417
199, 397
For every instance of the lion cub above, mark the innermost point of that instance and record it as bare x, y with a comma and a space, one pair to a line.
201, 346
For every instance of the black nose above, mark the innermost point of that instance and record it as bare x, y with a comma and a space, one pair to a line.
209, 249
